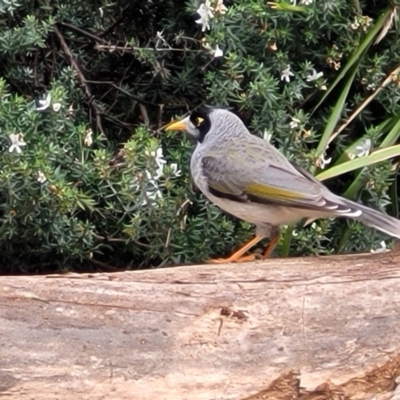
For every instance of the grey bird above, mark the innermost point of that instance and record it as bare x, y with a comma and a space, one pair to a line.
249, 178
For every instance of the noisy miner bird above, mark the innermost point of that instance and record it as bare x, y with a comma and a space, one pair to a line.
249, 178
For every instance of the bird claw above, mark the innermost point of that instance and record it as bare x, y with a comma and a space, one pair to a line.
250, 257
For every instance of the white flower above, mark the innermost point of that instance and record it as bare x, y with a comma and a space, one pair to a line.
158, 157
88, 140
322, 162
294, 123
16, 142
153, 192
306, 2
217, 52
153, 177
175, 170
41, 177
355, 25
267, 135
382, 249
208, 8
159, 172
70, 110
286, 74
314, 75
56, 106
363, 148
204, 21
151, 196
323, 87
206, 13
42, 105
366, 22
219, 7
160, 37
154, 195
316, 227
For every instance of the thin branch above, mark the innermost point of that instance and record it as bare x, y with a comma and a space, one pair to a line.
105, 267
148, 103
84, 33
181, 207
111, 239
160, 115
68, 55
117, 120
145, 115
138, 99
108, 46
102, 44
108, 239
132, 49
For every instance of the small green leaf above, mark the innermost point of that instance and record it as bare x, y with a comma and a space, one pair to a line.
286, 7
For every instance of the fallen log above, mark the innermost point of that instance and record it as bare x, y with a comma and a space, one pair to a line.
299, 328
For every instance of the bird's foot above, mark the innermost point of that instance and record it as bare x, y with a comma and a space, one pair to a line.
250, 257
238, 255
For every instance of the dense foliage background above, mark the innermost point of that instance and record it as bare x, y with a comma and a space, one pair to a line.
89, 179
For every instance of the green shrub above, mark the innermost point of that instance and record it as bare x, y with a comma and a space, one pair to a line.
89, 179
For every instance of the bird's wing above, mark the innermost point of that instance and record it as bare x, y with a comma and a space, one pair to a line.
263, 175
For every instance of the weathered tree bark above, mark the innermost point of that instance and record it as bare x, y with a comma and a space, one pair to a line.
303, 328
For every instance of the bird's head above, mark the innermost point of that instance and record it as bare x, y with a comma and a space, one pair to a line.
208, 121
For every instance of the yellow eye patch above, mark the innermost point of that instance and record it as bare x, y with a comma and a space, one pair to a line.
199, 121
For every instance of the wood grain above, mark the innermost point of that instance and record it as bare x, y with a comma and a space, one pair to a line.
205, 332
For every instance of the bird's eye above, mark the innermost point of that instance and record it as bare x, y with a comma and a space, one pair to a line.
198, 121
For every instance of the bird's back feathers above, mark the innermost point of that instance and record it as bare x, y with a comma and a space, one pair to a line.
232, 166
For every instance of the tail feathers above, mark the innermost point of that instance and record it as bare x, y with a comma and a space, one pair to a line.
376, 219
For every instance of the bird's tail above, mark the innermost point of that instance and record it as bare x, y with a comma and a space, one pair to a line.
376, 219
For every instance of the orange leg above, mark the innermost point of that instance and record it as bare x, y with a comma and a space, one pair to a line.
273, 241
237, 256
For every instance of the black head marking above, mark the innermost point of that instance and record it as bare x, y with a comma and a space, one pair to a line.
201, 120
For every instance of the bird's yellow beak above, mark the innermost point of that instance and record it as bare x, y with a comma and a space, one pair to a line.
177, 125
